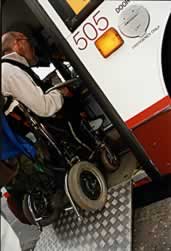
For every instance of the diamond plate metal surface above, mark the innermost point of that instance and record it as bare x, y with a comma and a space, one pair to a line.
107, 230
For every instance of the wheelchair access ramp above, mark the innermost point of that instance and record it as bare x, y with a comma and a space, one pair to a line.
109, 229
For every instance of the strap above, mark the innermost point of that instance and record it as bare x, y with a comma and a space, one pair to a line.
25, 68
7, 102
11, 107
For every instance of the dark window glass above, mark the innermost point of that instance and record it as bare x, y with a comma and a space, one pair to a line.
69, 15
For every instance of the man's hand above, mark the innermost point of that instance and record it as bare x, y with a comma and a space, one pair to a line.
65, 92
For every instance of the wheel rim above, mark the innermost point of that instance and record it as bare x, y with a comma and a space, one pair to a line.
40, 203
112, 158
90, 185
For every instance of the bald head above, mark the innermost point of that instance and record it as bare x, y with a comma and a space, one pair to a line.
19, 43
8, 40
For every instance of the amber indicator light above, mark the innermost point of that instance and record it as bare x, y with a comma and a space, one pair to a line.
109, 42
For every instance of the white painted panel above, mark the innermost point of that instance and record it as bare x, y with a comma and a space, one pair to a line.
51, 12
131, 77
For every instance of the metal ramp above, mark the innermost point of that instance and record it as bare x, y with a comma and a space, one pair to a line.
108, 230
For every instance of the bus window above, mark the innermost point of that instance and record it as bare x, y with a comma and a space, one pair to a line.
74, 12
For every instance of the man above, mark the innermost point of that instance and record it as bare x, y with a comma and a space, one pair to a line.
18, 84
21, 86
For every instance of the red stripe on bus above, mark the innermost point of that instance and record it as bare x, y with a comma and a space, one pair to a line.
147, 113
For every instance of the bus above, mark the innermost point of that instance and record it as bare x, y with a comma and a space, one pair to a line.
120, 54
120, 50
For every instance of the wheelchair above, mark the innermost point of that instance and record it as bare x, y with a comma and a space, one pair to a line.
70, 178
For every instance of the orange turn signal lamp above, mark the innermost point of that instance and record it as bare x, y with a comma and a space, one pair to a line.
109, 42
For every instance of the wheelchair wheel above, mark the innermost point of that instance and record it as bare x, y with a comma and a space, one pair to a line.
41, 209
87, 186
110, 161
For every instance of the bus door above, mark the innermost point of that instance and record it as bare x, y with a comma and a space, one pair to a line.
120, 45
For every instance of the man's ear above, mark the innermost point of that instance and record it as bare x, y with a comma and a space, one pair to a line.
15, 47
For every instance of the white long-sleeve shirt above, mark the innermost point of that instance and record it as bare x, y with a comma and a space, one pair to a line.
18, 84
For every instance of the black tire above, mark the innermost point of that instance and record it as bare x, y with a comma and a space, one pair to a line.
51, 218
109, 165
26, 210
76, 189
